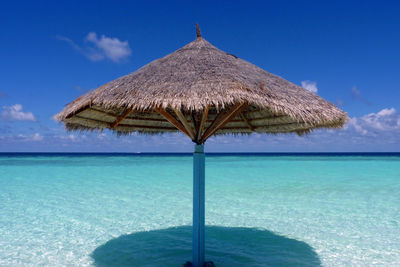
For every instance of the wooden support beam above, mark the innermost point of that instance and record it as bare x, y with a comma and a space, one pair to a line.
273, 127
134, 117
137, 112
202, 123
146, 127
268, 118
172, 120
196, 124
124, 125
162, 119
144, 119
247, 122
185, 123
120, 118
84, 107
222, 119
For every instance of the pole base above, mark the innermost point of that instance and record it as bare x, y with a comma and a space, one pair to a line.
206, 264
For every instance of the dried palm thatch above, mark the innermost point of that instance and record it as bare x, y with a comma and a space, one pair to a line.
201, 91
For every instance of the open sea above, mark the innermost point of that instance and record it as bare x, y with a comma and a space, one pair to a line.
261, 209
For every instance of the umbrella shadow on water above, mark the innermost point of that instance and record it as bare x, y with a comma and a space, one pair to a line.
225, 246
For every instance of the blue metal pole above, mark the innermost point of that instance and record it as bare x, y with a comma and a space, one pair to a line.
198, 205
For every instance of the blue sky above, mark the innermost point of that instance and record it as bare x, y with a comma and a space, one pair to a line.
345, 51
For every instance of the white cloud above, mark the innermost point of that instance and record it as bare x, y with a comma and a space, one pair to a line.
69, 137
37, 137
100, 48
25, 138
72, 137
15, 113
387, 112
111, 48
385, 120
102, 136
310, 86
354, 124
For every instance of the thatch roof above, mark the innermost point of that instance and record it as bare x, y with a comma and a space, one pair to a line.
201, 91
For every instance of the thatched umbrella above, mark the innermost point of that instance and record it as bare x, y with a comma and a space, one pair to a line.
201, 91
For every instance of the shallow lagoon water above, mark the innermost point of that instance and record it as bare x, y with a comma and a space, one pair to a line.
261, 210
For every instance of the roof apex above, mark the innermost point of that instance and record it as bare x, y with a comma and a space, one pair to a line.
198, 32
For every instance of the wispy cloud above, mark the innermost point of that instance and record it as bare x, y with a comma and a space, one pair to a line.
36, 137
70, 42
339, 102
356, 94
310, 86
3, 95
71, 137
97, 48
15, 113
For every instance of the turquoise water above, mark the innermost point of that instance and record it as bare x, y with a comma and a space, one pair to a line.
115, 210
